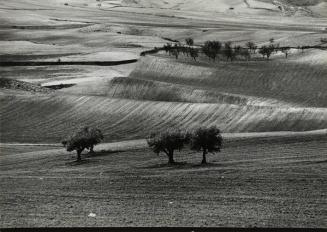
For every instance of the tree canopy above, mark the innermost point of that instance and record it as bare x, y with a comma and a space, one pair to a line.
168, 142
85, 138
206, 140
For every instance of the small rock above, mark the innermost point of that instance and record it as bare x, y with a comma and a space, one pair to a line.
92, 215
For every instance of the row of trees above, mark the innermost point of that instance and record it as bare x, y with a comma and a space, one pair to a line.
213, 49
201, 139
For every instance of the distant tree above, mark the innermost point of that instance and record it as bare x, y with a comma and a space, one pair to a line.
85, 138
167, 47
276, 47
266, 51
189, 42
175, 52
206, 140
285, 50
245, 53
211, 49
262, 50
271, 40
206, 49
323, 40
251, 45
228, 51
194, 53
168, 142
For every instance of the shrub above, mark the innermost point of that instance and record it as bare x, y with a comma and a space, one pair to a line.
85, 138
206, 140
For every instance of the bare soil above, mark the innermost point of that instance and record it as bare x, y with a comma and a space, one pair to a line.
273, 184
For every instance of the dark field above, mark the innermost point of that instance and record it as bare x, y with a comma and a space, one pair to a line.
279, 184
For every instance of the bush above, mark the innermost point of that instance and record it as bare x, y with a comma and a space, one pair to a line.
168, 142
86, 138
206, 140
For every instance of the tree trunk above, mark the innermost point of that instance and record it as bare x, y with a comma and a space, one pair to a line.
91, 149
79, 151
171, 157
204, 158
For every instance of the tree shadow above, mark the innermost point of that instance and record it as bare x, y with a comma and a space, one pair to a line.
183, 165
76, 163
207, 165
165, 165
101, 153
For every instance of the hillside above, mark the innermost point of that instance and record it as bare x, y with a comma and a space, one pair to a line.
260, 7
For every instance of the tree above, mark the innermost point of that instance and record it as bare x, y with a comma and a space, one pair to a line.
211, 49
266, 50
271, 40
206, 140
85, 138
245, 53
168, 142
228, 51
285, 50
167, 47
251, 45
189, 42
194, 53
175, 52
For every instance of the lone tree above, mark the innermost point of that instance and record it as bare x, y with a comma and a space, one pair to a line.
85, 138
168, 142
206, 140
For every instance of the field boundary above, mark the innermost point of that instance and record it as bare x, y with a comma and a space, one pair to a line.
48, 63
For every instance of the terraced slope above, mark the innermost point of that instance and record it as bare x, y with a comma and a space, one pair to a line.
50, 118
299, 83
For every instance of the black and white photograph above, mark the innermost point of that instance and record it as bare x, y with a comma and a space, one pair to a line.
163, 114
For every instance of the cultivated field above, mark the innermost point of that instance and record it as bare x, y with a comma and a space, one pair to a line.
268, 183
272, 113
